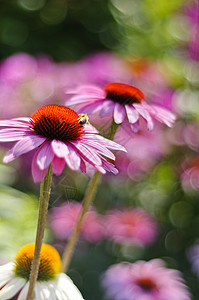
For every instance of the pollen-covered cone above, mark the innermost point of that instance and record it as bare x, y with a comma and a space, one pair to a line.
50, 284
60, 138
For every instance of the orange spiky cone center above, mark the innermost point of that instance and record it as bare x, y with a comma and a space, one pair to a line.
123, 93
50, 262
57, 122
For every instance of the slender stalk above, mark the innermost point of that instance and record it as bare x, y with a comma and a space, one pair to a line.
43, 209
87, 200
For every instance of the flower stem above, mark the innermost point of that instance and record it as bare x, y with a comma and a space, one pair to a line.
88, 198
43, 209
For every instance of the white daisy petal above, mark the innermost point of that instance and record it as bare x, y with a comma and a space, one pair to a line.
24, 292
12, 288
68, 287
38, 292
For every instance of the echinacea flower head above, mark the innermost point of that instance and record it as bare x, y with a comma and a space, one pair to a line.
60, 138
50, 284
64, 218
144, 281
122, 100
130, 226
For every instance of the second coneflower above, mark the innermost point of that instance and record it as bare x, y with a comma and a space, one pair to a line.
121, 100
60, 138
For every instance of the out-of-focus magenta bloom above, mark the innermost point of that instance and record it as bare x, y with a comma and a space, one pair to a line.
190, 176
144, 281
59, 137
64, 218
130, 226
193, 256
121, 100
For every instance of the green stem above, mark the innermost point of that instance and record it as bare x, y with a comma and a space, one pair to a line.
43, 209
87, 200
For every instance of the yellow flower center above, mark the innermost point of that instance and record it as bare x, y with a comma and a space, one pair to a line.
50, 262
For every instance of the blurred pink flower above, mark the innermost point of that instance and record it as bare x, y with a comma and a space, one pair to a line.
64, 218
144, 281
58, 136
121, 100
130, 226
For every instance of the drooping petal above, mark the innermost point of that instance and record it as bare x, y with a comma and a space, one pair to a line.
104, 141
135, 126
27, 144
106, 108
12, 288
11, 135
162, 114
24, 292
37, 174
45, 155
119, 113
14, 123
89, 108
38, 292
109, 167
101, 149
80, 99
72, 158
87, 89
58, 165
66, 285
132, 114
82, 166
59, 148
144, 113
87, 153
9, 156
88, 128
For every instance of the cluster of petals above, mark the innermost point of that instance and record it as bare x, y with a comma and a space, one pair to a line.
144, 281
127, 226
130, 226
128, 101
64, 218
13, 284
88, 148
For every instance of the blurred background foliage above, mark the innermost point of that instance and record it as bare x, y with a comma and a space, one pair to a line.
69, 30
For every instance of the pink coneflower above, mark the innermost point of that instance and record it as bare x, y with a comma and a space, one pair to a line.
64, 218
144, 281
122, 100
60, 139
130, 226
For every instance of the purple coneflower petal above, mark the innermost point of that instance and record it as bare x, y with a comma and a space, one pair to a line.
27, 144
87, 153
59, 148
87, 89
132, 114
101, 149
80, 99
105, 142
82, 166
89, 108
163, 115
106, 108
9, 156
58, 165
72, 158
37, 174
144, 113
88, 128
13, 123
11, 135
109, 167
135, 126
119, 113
45, 155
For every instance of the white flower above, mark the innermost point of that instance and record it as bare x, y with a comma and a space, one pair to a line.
50, 285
